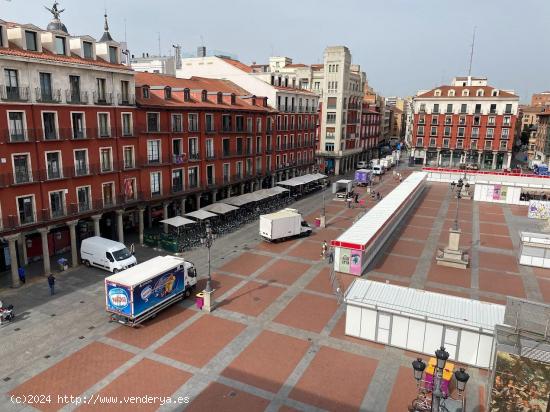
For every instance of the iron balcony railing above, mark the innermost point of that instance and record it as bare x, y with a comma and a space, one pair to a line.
14, 93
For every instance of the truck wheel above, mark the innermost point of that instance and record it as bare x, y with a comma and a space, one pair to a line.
115, 270
187, 293
86, 263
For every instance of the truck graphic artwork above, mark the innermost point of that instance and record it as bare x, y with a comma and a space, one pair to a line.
118, 298
165, 285
145, 293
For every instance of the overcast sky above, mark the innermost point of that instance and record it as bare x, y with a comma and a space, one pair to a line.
403, 45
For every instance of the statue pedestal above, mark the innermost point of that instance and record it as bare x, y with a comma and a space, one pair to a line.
322, 221
208, 304
452, 255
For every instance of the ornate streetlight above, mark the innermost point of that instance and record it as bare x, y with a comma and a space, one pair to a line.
207, 241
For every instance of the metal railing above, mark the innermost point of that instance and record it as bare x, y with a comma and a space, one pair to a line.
103, 98
47, 96
73, 97
14, 93
126, 99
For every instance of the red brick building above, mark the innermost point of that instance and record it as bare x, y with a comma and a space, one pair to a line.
370, 130
466, 122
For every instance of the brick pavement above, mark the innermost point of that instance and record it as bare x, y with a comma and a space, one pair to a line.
276, 340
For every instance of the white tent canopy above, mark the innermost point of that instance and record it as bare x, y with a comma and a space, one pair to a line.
177, 221
220, 208
302, 180
201, 214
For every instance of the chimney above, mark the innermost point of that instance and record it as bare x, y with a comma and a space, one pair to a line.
219, 98
265, 101
201, 51
147, 54
253, 100
142, 54
233, 98
177, 55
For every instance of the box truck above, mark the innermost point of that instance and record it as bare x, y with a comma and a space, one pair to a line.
342, 187
282, 225
363, 177
140, 292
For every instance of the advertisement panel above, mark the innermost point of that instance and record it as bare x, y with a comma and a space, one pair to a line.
355, 262
119, 299
344, 260
521, 384
539, 209
158, 289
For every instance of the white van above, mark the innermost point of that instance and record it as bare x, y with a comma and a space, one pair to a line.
106, 254
378, 170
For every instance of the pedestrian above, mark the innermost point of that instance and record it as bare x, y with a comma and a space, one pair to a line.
132, 249
357, 198
348, 200
400, 178
324, 249
378, 196
51, 283
331, 255
21, 272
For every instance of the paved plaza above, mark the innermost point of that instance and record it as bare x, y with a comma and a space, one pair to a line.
275, 341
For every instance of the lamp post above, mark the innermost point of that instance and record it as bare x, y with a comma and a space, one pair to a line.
207, 241
438, 397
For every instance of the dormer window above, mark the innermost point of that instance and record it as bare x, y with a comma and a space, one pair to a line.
451, 93
494, 93
233, 98
113, 54
219, 97
204, 96
87, 50
145, 92
465, 92
30, 40
186, 95
437, 92
167, 93
1, 36
60, 47
479, 93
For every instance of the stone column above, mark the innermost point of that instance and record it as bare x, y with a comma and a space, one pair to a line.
120, 225
72, 233
214, 196
198, 201
22, 243
149, 218
509, 160
479, 159
451, 159
97, 230
15, 283
141, 209
253, 186
165, 215
242, 188
45, 249
439, 158
287, 174
425, 157
494, 164
182, 205
336, 166
272, 181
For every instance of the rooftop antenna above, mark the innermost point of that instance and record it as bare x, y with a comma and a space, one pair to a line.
472, 52
125, 39
158, 33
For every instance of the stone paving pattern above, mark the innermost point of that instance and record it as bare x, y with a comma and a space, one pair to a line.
276, 340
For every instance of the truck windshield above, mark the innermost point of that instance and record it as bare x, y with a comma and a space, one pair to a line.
122, 254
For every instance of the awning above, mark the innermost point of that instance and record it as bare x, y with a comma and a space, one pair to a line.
302, 180
239, 200
220, 208
201, 214
278, 189
177, 221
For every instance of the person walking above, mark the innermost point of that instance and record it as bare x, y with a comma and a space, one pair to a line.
132, 249
324, 249
51, 283
357, 198
21, 273
348, 200
331, 255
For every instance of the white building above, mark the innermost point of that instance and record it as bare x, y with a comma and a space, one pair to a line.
154, 64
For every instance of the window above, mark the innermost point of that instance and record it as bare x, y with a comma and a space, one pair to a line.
145, 91
331, 102
248, 167
12, 84
25, 209
239, 169
490, 133
193, 148
113, 54
17, 126
462, 120
249, 146
239, 146
258, 144
249, 125
477, 120
450, 341
434, 119
437, 92
491, 121
53, 165
49, 120
473, 144
88, 50
331, 118
155, 184
30, 40
193, 177
124, 92
258, 165
106, 159
465, 92
209, 122
77, 123
21, 168
57, 204
153, 122
506, 121
504, 133
432, 142
420, 131
463, 108
419, 142
449, 108
226, 172
210, 179
422, 107
447, 131
475, 132
104, 128
477, 108
436, 108
508, 109
226, 147
421, 119
81, 162
45, 87
101, 91
488, 144
108, 190
448, 119
127, 125
433, 131
461, 131
128, 154
60, 47
239, 123
493, 109
193, 122
329, 147
177, 123
258, 124
209, 148
153, 151
479, 93
167, 93
74, 90
177, 180
446, 143
503, 145
84, 198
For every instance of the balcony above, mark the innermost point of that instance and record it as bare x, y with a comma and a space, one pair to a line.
72, 97
103, 132
83, 170
210, 155
47, 96
177, 188
194, 157
210, 129
18, 135
14, 94
178, 159
126, 99
103, 98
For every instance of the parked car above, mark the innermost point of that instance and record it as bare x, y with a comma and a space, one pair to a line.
106, 254
363, 164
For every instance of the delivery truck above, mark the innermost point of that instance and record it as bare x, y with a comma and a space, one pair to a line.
282, 225
140, 292
363, 177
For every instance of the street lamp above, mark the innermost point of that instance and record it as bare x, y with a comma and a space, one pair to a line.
461, 377
418, 369
207, 241
457, 189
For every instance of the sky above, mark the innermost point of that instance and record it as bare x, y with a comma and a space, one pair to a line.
403, 45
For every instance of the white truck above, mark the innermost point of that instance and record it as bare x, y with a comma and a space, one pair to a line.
282, 225
140, 292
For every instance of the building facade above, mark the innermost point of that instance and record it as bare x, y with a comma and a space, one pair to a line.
542, 137
465, 122
541, 99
